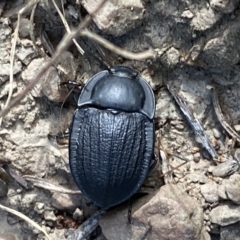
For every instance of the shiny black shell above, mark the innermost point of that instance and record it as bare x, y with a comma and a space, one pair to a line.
112, 136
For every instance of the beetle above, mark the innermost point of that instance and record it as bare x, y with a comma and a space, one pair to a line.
112, 136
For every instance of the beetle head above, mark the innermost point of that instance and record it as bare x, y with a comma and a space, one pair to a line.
119, 88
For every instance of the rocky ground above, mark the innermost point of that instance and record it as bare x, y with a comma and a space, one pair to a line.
198, 44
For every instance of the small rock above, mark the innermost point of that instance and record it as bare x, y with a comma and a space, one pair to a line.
114, 226
226, 168
24, 27
225, 6
64, 201
166, 213
232, 186
172, 56
195, 150
116, 17
26, 52
31, 71
39, 207
68, 202
187, 14
58, 234
216, 133
29, 197
210, 192
51, 86
237, 127
230, 232
225, 214
204, 19
78, 215
224, 49
196, 157
50, 216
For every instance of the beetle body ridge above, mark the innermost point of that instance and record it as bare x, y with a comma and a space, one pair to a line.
111, 141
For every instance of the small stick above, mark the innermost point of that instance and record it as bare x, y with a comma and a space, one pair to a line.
195, 124
67, 27
42, 183
220, 115
25, 218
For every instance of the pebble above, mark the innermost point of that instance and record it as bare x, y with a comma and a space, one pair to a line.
225, 214
197, 157
39, 207
187, 14
78, 215
50, 216
225, 169
195, 150
216, 133
117, 17
232, 186
237, 127
210, 192
24, 27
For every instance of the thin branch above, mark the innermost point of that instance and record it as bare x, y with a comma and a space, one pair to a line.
124, 53
27, 219
13, 49
67, 27
63, 45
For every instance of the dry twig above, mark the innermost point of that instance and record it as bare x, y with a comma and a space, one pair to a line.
122, 52
63, 45
27, 219
42, 183
13, 49
220, 115
67, 27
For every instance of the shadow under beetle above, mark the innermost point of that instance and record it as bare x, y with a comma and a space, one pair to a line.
112, 136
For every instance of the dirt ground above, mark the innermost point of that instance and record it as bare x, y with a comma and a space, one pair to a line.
191, 45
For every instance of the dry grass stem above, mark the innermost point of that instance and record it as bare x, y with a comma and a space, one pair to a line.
32, 24
124, 53
13, 49
67, 27
42, 183
63, 45
27, 219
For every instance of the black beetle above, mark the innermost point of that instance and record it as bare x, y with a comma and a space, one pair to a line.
112, 136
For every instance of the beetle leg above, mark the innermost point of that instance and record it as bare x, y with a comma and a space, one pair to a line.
130, 211
148, 229
61, 138
153, 163
72, 83
86, 228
